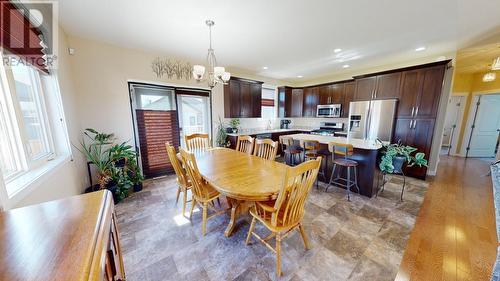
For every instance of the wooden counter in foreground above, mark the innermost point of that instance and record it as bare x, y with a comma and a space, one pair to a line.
75, 238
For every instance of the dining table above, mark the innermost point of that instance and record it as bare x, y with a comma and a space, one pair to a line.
241, 177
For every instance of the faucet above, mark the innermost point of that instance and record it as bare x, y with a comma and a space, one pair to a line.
269, 126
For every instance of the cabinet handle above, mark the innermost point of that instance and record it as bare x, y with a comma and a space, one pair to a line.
416, 112
414, 123
412, 111
375, 94
411, 123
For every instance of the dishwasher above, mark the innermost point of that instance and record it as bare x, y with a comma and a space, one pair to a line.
264, 136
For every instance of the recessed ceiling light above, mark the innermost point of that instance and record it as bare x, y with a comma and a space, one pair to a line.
346, 66
419, 49
337, 50
265, 67
299, 76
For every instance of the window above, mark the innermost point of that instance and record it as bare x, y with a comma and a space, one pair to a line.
26, 138
268, 111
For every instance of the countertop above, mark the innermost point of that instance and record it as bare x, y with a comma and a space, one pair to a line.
356, 143
264, 131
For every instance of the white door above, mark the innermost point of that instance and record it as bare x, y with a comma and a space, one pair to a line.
194, 115
484, 136
451, 119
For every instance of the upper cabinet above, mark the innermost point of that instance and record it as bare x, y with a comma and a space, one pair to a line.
311, 101
284, 102
420, 92
383, 86
349, 89
365, 87
242, 98
387, 86
297, 103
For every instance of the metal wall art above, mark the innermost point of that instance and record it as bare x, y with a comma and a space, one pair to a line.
171, 68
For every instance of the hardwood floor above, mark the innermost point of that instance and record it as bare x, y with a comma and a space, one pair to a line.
454, 236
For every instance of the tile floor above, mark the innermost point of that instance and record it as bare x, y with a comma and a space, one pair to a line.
359, 240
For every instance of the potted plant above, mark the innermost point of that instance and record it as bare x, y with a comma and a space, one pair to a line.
395, 155
221, 136
135, 175
111, 160
233, 124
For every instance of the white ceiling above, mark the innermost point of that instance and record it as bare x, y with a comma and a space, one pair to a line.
291, 37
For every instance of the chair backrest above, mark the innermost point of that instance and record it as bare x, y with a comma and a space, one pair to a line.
245, 144
197, 141
310, 144
198, 185
179, 170
293, 193
266, 148
345, 149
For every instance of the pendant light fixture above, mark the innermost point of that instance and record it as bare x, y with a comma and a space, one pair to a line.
215, 74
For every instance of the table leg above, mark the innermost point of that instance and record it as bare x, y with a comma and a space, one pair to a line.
235, 208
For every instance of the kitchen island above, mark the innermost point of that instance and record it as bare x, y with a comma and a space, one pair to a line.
365, 153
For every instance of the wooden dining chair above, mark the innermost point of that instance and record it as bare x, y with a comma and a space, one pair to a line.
283, 215
184, 184
266, 148
245, 144
203, 193
197, 142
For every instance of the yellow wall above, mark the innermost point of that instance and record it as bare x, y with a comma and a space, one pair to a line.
469, 84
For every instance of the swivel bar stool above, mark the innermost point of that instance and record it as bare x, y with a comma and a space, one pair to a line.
345, 150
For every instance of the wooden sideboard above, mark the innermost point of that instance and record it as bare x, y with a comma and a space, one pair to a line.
75, 238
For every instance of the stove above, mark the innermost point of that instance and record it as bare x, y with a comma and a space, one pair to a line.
329, 129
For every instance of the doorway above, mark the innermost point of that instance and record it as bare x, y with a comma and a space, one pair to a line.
194, 112
453, 121
484, 131
162, 114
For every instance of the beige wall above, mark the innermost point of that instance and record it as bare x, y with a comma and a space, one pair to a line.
69, 178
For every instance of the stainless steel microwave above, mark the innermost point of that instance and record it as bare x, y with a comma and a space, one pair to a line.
329, 110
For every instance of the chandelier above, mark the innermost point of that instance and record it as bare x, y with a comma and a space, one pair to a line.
215, 74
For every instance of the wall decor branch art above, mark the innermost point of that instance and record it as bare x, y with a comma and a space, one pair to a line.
171, 68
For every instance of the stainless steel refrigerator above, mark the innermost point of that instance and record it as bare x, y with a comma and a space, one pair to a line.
371, 120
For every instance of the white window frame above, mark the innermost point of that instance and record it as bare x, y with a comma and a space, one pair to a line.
17, 133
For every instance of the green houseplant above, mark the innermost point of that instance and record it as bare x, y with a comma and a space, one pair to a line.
116, 164
221, 136
234, 123
395, 155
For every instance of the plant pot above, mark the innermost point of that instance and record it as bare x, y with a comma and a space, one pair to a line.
120, 163
138, 187
113, 189
398, 162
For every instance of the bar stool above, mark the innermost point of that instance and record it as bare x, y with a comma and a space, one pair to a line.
312, 152
345, 150
289, 149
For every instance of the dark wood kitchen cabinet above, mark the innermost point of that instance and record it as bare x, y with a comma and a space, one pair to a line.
297, 103
324, 94
420, 92
284, 102
383, 86
310, 101
349, 89
388, 86
365, 88
417, 133
337, 93
242, 98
